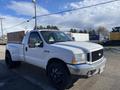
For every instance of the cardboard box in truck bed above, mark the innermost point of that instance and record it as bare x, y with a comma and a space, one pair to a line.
15, 37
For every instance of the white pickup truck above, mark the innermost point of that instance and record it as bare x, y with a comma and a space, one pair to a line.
58, 54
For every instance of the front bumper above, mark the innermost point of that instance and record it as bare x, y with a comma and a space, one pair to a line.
88, 69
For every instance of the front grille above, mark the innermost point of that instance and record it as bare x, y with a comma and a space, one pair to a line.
96, 55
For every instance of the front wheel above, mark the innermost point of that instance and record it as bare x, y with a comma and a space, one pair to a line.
9, 62
59, 75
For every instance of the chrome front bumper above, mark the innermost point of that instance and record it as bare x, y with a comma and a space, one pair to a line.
88, 69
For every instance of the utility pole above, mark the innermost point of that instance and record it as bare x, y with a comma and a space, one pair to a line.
1, 19
35, 17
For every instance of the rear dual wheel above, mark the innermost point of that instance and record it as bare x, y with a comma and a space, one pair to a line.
9, 62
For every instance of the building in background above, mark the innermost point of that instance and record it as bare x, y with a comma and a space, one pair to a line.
114, 36
3, 40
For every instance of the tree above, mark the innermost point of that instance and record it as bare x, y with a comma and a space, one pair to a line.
73, 30
48, 27
85, 31
92, 32
102, 31
80, 31
40, 27
56, 28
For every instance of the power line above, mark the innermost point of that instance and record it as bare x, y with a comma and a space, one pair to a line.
79, 8
18, 24
70, 10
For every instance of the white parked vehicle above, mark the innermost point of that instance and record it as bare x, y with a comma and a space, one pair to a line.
55, 52
79, 36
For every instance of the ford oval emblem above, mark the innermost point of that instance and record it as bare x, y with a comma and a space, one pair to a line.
99, 54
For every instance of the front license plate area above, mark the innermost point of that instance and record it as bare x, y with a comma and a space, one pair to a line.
101, 69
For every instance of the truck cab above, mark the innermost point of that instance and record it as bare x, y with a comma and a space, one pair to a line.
58, 54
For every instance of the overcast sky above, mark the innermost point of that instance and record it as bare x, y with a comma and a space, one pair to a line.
16, 11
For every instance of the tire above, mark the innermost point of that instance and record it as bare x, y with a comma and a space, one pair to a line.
59, 75
11, 64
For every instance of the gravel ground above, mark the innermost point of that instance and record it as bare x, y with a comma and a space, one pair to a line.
33, 78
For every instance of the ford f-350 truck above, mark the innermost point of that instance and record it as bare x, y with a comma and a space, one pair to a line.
58, 54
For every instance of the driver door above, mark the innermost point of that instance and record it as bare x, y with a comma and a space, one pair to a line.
34, 51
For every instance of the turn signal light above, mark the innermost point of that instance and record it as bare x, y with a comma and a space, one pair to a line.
74, 61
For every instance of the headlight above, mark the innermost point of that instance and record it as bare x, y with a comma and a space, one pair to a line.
79, 58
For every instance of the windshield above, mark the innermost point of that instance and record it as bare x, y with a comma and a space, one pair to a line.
55, 36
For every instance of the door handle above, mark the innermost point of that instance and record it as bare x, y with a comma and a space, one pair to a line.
46, 51
26, 49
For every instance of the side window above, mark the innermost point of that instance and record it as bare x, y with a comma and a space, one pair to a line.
34, 40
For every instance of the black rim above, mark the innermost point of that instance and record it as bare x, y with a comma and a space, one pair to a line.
57, 75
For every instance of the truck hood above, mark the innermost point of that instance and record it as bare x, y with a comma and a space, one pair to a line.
78, 46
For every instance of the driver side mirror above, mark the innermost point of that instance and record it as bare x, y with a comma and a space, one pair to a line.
73, 38
39, 44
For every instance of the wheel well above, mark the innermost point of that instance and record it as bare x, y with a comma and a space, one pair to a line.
7, 51
55, 60
58, 61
